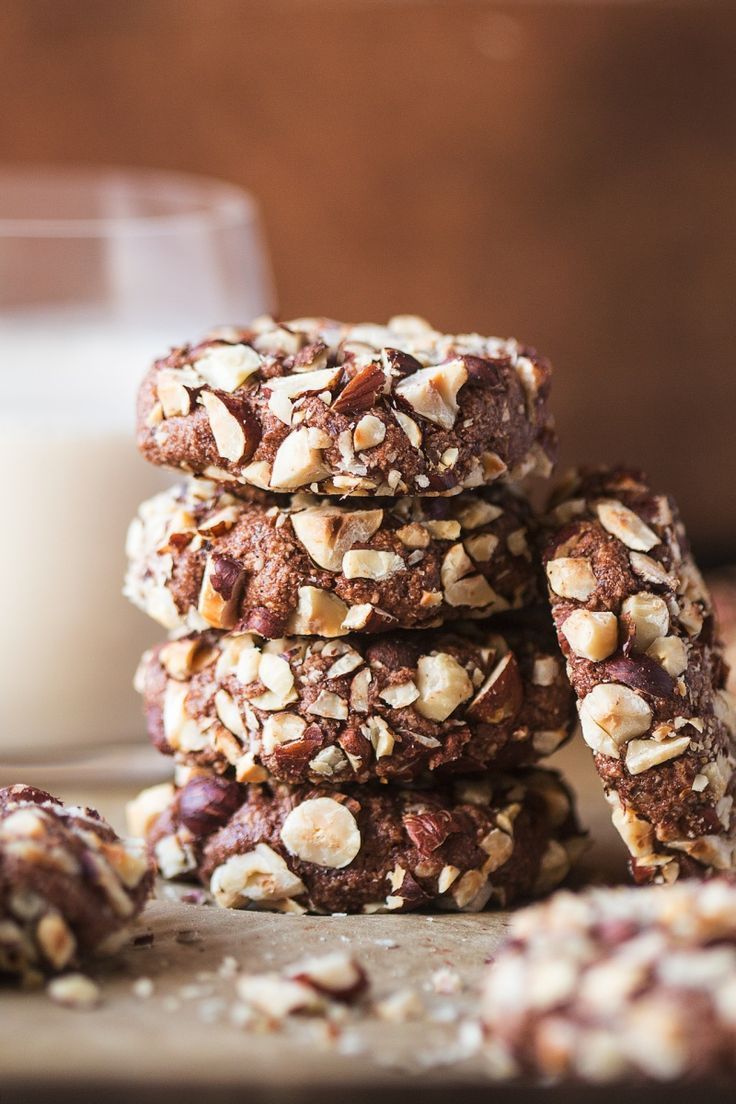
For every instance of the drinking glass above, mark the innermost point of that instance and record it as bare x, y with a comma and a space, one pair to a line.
100, 272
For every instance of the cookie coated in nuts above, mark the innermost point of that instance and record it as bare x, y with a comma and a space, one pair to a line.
615, 984
369, 848
201, 558
635, 623
69, 887
341, 409
389, 707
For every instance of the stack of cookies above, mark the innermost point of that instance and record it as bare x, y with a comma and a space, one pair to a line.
359, 679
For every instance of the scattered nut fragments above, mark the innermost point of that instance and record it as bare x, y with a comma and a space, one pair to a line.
349, 409
372, 848
615, 984
74, 991
201, 558
69, 887
310, 986
635, 623
400, 1006
390, 707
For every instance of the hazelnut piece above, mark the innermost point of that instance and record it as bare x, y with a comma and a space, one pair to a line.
571, 577
670, 652
368, 433
260, 875
442, 684
432, 392
322, 831
626, 526
410, 428
648, 616
219, 594
641, 755
501, 695
297, 462
368, 563
336, 975
227, 367
144, 810
618, 710
227, 431
206, 803
593, 636
318, 613
173, 395
327, 532
282, 728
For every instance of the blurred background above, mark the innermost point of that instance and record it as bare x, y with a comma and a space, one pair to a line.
563, 172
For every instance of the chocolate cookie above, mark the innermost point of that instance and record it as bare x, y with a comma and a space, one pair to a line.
379, 410
389, 707
365, 848
635, 623
618, 983
202, 558
69, 887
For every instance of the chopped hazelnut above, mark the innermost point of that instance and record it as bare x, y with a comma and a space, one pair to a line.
367, 563
442, 684
328, 532
671, 653
432, 392
227, 367
322, 831
260, 875
227, 431
641, 755
410, 428
648, 616
628, 527
571, 577
618, 710
297, 462
318, 613
593, 636
329, 705
369, 432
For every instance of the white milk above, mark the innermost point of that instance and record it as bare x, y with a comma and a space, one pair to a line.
72, 479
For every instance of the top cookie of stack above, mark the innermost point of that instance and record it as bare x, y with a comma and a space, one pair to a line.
341, 409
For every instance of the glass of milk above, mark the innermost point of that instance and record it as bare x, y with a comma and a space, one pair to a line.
101, 271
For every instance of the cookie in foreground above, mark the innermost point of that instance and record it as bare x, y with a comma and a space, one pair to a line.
69, 887
635, 623
389, 410
394, 706
201, 558
618, 983
371, 848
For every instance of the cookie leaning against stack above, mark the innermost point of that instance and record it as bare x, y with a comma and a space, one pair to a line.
635, 622
312, 655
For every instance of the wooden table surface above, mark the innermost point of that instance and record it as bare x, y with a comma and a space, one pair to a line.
184, 1041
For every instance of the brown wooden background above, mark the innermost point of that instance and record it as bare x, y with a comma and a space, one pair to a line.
563, 172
